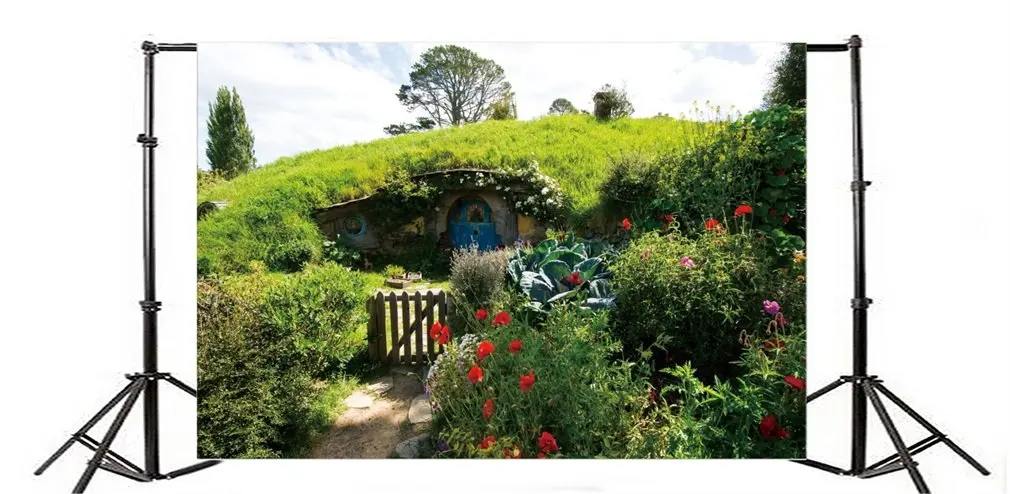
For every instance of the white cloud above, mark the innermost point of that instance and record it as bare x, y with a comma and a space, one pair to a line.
301, 97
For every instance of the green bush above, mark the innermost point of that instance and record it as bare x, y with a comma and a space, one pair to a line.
393, 271
757, 415
698, 294
477, 280
586, 403
264, 342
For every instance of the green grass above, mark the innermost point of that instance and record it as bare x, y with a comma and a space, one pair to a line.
270, 212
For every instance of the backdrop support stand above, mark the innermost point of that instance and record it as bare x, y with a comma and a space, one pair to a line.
868, 386
146, 382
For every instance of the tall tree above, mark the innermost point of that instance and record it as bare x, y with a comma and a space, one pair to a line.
611, 103
561, 106
789, 78
454, 85
229, 139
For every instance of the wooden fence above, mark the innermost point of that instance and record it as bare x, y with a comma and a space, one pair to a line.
398, 325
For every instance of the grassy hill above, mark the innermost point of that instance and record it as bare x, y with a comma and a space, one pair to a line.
269, 217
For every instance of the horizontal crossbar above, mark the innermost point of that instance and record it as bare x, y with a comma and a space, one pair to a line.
914, 449
869, 473
822, 466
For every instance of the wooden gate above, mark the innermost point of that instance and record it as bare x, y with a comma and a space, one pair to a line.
398, 325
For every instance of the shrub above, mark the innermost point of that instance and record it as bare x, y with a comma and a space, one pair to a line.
263, 341
633, 183
573, 393
758, 415
611, 103
341, 253
393, 271
477, 279
698, 294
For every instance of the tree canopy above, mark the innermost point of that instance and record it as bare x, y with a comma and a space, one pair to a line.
789, 78
229, 138
561, 106
611, 103
423, 123
454, 85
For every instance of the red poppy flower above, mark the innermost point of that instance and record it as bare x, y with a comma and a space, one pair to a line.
546, 443
488, 408
780, 173
515, 346
769, 427
652, 395
435, 331
526, 382
444, 337
513, 452
796, 382
742, 210
786, 218
574, 279
486, 442
774, 343
712, 224
484, 349
541, 455
667, 219
782, 433
626, 224
481, 314
475, 375
501, 319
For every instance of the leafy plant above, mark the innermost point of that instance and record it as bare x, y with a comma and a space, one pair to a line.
569, 270
477, 279
393, 271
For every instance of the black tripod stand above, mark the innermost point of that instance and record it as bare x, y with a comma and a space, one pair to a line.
144, 383
867, 386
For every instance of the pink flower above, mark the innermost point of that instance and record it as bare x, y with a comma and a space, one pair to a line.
771, 307
686, 262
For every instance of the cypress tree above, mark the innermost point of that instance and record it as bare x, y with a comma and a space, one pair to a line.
229, 138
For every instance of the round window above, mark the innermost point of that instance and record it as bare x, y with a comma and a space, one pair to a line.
354, 226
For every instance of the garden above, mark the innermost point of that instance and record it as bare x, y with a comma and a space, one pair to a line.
663, 316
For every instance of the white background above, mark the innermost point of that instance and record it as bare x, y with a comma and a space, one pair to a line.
936, 129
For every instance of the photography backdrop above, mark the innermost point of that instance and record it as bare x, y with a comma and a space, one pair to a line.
935, 232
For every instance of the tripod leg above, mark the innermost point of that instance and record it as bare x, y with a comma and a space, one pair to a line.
825, 390
892, 431
135, 389
923, 422
181, 385
83, 430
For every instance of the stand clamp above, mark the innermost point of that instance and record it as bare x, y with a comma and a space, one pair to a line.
147, 141
859, 185
150, 306
861, 303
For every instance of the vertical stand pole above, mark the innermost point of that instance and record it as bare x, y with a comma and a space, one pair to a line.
859, 301
150, 305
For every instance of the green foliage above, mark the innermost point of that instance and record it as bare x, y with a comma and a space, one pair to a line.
789, 78
423, 123
697, 294
578, 396
393, 271
264, 340
504, 108
454, 85
546, 274
611, 103
229, 138
339, 252
632, 186
477, 280
275, 204
207, 179
562, 106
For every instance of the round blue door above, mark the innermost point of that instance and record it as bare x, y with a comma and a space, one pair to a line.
470, 224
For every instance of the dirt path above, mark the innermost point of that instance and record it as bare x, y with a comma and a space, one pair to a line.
375, 431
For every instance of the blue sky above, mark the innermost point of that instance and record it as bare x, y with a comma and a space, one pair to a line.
305, 96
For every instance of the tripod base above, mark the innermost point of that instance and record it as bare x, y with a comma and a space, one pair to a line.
902, 459
104, 457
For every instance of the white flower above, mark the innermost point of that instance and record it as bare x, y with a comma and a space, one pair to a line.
507, 189
545, 190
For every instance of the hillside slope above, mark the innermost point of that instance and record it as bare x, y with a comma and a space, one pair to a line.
269, 216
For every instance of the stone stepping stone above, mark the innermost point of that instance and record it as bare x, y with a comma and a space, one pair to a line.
403, 370
358, 400
381, 386
420, 410
415, 447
